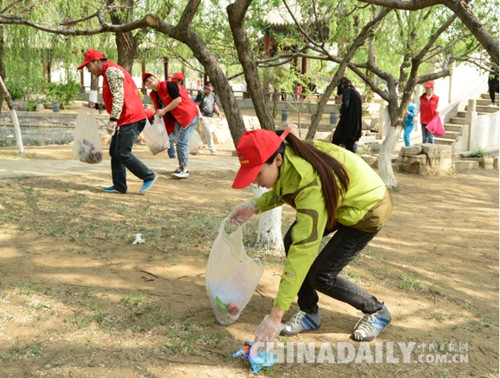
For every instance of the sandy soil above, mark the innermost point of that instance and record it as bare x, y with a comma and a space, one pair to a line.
79, 299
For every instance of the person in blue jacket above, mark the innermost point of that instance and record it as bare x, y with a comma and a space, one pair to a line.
409, 124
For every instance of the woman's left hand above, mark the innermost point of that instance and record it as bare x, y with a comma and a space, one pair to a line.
267, 330
266, 333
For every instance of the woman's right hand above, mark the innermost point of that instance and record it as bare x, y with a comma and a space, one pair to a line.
242, 213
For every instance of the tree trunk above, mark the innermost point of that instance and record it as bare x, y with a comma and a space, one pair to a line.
126, 46
269, 236
2, 68
236, 15
15, 120
384, 157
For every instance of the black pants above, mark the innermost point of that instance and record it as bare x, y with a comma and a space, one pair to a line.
120, 150
492, 89
345, 244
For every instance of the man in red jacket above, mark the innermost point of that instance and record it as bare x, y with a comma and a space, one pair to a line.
173, 101
127, 119
428, 109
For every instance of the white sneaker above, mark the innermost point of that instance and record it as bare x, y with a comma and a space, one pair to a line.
184, 173
301, 322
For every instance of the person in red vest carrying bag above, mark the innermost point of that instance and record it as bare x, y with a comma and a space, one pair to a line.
127, 120
171, 100
427, 107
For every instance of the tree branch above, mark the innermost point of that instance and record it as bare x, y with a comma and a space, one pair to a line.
461, 9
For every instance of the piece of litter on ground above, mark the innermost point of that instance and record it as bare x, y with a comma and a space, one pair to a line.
138, 239
263, 359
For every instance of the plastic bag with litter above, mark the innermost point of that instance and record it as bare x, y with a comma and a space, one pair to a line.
231, 276
87, 145
156, 136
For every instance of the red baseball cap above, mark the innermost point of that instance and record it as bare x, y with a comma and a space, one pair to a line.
146, 75
429, 84
89, 56
254, 148
178, 76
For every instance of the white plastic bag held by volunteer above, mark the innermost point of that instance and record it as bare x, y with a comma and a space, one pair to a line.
156, 136
87, 145
231, 275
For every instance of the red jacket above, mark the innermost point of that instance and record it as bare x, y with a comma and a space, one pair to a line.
184, 113
133, 108
428, 108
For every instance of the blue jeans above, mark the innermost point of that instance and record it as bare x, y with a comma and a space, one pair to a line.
183, 134
407, 132
427, 137
171, 149
345, 244
120, 150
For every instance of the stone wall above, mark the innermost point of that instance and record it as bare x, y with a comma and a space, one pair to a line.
39, 128
425, 159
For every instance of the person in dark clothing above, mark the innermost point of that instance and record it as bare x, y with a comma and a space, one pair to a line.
493, 84
348, 130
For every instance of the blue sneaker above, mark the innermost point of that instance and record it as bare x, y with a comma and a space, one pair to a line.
148, 184
370, 325
110, 189
300, 322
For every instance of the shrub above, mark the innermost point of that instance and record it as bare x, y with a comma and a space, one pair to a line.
15, 89
63, 93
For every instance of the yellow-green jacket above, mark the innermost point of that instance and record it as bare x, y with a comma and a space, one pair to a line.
366, 206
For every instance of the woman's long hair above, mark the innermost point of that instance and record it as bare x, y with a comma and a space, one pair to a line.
327, 167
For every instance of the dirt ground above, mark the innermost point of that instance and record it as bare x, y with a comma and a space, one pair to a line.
78, 299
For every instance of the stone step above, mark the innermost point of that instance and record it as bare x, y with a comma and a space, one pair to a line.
444, 140
457, 120
453, 127
461, 165
482, 108
486, 95
451, 134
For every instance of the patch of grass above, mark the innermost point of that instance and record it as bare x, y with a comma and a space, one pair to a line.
409, 283
187, 334
27, 288
434, 288
21, 352
135, 300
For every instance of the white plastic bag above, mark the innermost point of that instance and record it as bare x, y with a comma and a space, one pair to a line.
231, 275
87, 143
194, 143
156, 136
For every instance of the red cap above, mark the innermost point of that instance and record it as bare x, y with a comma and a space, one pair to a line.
429, 84
145, 76
254, 148
89, 56
178, 76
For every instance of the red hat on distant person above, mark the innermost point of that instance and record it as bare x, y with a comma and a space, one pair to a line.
254, 148
429, 84
178, 76
89, 56
146, 75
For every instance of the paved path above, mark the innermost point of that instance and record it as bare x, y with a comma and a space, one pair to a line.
24, 168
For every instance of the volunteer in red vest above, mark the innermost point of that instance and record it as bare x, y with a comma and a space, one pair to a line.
168, 119
127, 119
178, 103
427, 108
